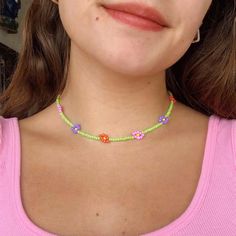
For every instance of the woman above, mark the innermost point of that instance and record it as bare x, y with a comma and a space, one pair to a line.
120, 120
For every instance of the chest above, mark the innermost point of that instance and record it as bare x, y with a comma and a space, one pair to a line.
124, 193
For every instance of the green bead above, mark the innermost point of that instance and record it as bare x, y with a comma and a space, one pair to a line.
119, 139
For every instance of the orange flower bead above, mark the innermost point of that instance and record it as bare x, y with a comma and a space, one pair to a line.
104, 138
172, 99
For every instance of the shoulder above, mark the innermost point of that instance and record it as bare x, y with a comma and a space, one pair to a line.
223, 129
226, 137
39, 129
227, 129
45, 124
219, 129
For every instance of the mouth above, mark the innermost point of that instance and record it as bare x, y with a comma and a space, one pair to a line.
139, 10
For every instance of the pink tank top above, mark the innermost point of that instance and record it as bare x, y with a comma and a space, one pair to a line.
212, 211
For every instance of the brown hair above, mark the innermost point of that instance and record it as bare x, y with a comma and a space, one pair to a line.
203, 78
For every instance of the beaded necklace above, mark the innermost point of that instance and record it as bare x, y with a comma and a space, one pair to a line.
135, 135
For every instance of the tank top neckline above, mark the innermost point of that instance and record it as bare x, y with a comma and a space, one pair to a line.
177, 223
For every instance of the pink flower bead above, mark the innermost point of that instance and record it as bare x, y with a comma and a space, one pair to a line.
138, 134
59, 107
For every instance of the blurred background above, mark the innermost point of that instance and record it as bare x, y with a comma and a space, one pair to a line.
12, 13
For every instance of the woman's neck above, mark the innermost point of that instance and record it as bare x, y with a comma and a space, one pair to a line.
101, 100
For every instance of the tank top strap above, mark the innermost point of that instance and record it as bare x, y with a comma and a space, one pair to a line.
233, 134
7, 133
226, 142
1, 118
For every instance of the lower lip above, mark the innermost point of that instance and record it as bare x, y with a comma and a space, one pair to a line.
133, 20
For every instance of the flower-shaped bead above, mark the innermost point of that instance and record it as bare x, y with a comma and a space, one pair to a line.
104, 138
172, 99
59, 108
163, 119
138, 134
76, 128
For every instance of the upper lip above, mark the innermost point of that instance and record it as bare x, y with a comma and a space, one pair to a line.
139, 9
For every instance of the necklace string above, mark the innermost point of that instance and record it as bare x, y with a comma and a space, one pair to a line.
105, 138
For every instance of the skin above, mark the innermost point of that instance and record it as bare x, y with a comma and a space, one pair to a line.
116, 78
123, 68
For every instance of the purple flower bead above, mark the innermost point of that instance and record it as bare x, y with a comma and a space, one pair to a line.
163, 119
75, 128
138, 134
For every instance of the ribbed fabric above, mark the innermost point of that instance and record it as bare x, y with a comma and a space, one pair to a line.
212, 211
